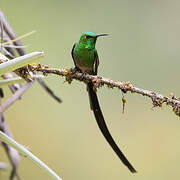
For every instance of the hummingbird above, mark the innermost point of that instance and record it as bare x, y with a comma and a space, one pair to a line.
86, 60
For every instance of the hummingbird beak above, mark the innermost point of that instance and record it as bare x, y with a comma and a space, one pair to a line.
101, 35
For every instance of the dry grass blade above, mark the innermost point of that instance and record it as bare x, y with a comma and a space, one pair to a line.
18, 38
19, 62
10, 81
8, 140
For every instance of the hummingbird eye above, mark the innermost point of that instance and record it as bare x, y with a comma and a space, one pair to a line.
87, 37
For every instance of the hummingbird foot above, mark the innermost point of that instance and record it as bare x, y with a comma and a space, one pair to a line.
83, 75
76, 69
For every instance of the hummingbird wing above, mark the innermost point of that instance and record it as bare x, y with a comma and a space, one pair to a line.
96, 62
94, 103
72, 54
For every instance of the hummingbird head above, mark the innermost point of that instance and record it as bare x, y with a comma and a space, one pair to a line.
89, 39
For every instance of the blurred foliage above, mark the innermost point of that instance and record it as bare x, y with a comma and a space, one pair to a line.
143, 48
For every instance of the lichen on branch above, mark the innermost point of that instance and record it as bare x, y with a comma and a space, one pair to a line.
157, 99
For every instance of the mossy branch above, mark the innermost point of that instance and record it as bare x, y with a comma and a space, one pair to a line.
157, 99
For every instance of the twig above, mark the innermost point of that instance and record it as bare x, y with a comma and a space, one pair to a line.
15, 96
42, 83
13, 87
99, 81
3, 166
11, 33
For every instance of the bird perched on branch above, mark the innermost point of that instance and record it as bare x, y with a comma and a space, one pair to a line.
86, 60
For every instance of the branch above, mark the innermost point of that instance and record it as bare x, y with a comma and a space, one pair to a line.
15, 96
157, 99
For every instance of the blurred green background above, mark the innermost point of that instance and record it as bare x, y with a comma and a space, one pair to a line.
143, 48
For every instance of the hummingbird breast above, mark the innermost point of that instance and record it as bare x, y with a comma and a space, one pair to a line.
84, 59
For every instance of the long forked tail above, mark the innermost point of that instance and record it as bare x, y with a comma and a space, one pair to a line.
94, 103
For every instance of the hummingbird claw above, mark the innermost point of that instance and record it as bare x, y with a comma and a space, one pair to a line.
83, 75
75, 69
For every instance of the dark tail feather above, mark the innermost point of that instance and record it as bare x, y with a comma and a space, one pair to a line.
1, 93
103, 127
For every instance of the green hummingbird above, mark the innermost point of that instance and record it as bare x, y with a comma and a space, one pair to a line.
86, 60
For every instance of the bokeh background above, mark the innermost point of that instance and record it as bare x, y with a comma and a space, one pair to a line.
143, 47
